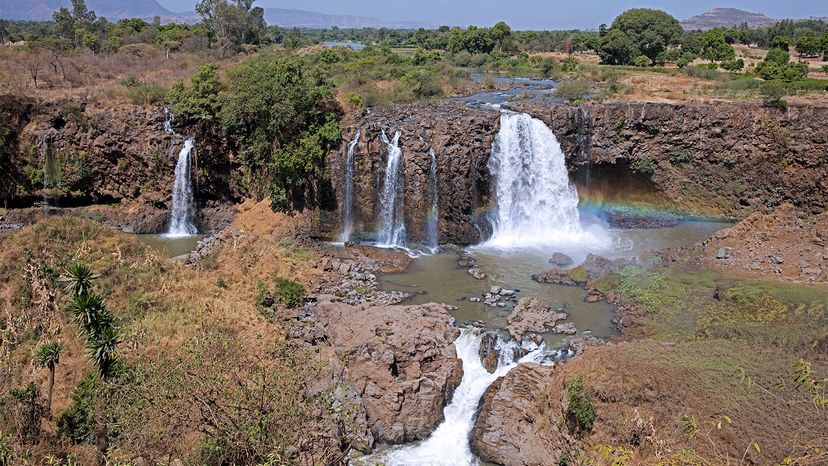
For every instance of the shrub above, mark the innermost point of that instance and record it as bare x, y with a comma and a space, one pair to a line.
642, 61
290, 293
645, 165
733, 65
570, 65
201, 97
77, 421
772, 93
147, 94
572, 90
685, 59
580, 412
681, 157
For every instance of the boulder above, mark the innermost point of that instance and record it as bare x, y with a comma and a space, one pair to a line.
724, 253
400, 359
479, 274
532, 315
560, 259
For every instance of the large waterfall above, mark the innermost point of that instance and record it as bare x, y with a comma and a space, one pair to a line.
348, 201
392, 213
449, 443
536, 203
432, 221
182, 221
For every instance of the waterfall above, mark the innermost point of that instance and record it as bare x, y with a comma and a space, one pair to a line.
168, 119
348, 201
392, 213
433, 218
449, 443
536, 203
182, 221
50, 173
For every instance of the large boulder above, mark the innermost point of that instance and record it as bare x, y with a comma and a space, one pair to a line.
532, 315
400, 359
512, 428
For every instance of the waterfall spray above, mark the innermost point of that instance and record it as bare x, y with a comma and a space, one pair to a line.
432, 223
168, 119
392, 213
182, 221
348, 201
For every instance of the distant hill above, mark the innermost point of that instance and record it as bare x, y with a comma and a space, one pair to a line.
725, 18
312, 19
41, 10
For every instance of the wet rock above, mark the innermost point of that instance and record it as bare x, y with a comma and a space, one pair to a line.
560, 259
723, 253
400, 359
579, 345
566, 329
505, 292
593, 297
479, 274
495, 290
488, 352
532, 315
561, 277
507, 429
598, 267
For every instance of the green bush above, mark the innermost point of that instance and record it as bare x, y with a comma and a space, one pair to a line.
77, 422
572, 90
645, 165
642, 61
772, 93
201, 97
681, 157
290, 293
147, 94
580, 412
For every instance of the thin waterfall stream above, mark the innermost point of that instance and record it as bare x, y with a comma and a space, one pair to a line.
433, 219
392, 213
348, 201
182, 219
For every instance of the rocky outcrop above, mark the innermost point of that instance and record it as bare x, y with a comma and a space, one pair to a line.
533, 315
462, 140
721, 159
513, 427
400, 359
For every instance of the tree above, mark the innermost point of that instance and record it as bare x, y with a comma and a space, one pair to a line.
733, 65
808, 46
617, 48
78, 278
824, 69
642, 61
651, 31
201, 97
715, 47
501, 35
781, 43
48, 356
237, 22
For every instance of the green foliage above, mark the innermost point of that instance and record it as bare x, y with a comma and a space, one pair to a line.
715, 47
781, 43
77, 422
580, 411
147, 94
772, 93
422, 83
617, 48
681, 157
572, 90
639, 31
7, 453
78, 278
290, 293
235, 22
653, 291
809, 46
48, 355
642, 61
28, 412
570, 65
689, 427
645, 165
201, 97
733, 65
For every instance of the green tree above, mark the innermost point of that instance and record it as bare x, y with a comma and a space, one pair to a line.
48, 356
501, 35
78, 278
781, 43
652, 31
236, 21
715, 47
642, 61
617, 48
201, 98
733, 65
808, 46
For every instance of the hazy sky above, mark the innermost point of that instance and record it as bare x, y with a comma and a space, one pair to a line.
527, 14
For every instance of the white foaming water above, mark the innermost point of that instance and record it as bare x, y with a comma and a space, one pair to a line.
182, 220
392, 213
536, 203
348, 201
168, 119
449, 443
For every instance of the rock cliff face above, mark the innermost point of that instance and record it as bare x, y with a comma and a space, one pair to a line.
462, 140
721, 159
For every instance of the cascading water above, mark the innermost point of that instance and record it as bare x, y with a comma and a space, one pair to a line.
182, 221
392, 213
168, 119
449, 443
536, 203
434, 213
348, 201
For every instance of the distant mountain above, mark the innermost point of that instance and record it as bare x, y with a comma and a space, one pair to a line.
41, 10
312, 19
725, 18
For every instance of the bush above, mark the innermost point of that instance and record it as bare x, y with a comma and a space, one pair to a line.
681, 157
290, 293
570, 65
685, 59
77, 422
201, 97
733, 65
772, 93
580, 412
642, 61
147, 94
572, 90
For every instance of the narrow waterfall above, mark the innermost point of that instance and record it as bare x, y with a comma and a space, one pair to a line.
50, 173
536, 203
182, 220
168, 119
348, 198
392, 213
449, 443
432, 221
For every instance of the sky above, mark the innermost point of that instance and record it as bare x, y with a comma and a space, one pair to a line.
527, 14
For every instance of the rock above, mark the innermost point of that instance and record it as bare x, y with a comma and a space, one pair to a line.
507, 430
488, 352
560, 259
776, 260
495, 290
505, 292
532, 315
400, 359
593, 297
811, 272
598, 267
477, 273
723, 253
566, 329
557, 277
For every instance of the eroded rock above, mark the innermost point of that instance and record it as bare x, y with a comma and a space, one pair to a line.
532, 315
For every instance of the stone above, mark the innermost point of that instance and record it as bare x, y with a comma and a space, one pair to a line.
505, 292
811, 272
477, 273
724, 253
532, 315
560, 259
488, 352
495, 290
593, 297
400, 359
567, 328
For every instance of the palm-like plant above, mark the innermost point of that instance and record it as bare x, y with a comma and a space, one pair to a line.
79, 278
90, 313
103, 349
48, 356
